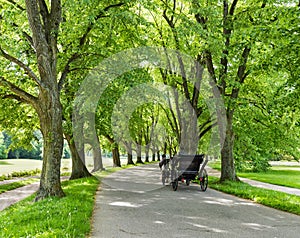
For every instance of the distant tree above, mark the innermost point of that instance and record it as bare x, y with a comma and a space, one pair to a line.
3, 152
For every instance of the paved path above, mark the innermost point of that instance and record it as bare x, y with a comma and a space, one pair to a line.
10, 197
17, 179
254, 183
13, 196
133, 203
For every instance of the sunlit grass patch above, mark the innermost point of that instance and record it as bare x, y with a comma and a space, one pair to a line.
14, 185
278, 200
53, 217
289, 178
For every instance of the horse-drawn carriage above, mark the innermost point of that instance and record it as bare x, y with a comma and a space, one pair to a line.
185, 168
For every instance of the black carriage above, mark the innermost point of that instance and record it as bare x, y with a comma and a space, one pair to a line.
186, 168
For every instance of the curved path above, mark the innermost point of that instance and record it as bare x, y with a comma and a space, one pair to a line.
133, 203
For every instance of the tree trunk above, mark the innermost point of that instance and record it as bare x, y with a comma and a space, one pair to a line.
97, 157
128, 146
139, 154
44, 24
79, 170
50, 115
153, 156
147, 154
116, 156
158, 156
227, 159
129, 158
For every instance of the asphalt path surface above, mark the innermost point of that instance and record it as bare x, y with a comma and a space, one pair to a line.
133, 203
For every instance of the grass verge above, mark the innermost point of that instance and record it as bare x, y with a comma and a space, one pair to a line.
288, 176
53, 217
14, 185
20, 174
278, 200
4, 163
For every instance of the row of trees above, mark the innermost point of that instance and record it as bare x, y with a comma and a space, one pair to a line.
249, 50
10, 150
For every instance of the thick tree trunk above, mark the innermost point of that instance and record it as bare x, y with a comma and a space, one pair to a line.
227, 159
116, 156
44, 24
79, 170
50, 115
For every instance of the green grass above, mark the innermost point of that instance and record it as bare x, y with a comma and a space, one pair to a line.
278, 200
4, 163
288, 167
53, 217
20, 174
215, 165
289, 178
14, 185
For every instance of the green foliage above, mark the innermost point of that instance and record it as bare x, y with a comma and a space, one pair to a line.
53, 217
278, 200
266, 122
13, 146
3, 152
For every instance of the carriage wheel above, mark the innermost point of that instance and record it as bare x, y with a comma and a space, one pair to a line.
175, 184
204, 181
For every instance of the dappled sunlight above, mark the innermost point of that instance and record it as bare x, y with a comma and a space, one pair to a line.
125, 204
188, 212
159, 222
227, 202
182, 198
207, 228
255, 226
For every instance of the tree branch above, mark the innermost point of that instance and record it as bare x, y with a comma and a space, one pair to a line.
66, 71
16, 4
82, 41
232, 8
27, 69
13, 96
92, 23
207, 129
241, 74
30, 99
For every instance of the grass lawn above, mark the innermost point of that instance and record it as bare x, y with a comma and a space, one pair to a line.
288, 176
20, 174
278, 200
4, 163
53, 217
14, 185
